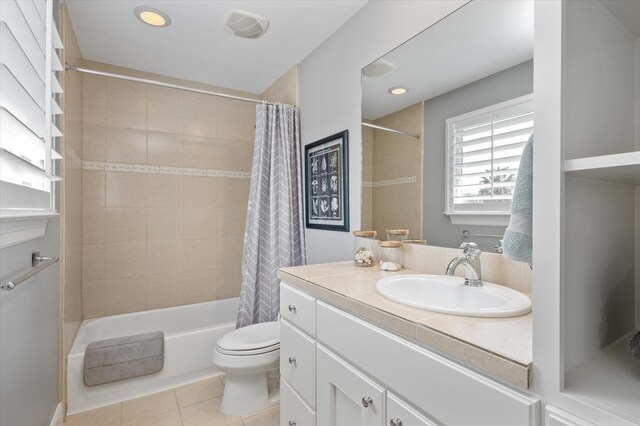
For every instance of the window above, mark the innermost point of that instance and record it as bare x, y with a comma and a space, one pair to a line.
483, 153
30, 94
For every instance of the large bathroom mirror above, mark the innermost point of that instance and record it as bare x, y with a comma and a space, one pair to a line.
446, 116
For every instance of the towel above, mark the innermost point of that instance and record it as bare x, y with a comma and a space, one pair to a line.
517, 244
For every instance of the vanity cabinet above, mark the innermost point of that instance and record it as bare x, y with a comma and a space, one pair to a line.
556, 417
364, 375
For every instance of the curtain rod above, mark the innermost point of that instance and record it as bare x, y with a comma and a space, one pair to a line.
387, 129
160, 83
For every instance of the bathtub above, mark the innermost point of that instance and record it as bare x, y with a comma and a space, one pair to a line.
190, 331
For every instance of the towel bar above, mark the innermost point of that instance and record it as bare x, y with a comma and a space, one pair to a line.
39, 263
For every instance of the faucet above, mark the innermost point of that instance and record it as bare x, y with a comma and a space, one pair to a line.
471, 263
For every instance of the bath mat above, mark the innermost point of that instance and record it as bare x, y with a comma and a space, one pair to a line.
112, 360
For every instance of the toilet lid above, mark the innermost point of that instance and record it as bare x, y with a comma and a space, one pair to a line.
252, 337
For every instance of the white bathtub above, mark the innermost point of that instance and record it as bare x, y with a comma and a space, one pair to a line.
190, 332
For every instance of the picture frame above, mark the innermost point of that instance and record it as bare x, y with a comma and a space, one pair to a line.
327, 183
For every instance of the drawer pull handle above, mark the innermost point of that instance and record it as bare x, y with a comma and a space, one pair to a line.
292, 308
292, 360
293, 423
367, 401
396, 422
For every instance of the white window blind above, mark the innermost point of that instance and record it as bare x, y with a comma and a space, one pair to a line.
30, 93
483, 150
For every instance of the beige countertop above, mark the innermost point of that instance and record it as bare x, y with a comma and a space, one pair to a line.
500, 347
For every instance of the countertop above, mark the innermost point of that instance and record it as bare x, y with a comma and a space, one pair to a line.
499, 347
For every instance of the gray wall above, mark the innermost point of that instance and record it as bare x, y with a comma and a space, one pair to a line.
502, 86
331, 94
29, 335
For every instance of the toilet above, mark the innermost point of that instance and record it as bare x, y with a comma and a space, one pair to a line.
245, 355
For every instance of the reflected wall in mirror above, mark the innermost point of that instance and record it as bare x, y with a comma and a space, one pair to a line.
466, 116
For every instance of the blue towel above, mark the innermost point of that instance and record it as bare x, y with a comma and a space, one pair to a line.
517, 244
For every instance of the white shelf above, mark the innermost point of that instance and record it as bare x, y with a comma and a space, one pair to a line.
619, 168
609, 380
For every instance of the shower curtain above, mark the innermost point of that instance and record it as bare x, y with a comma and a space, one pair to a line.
274, 235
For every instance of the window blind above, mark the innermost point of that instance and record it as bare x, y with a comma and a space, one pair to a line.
30, 93
484, 150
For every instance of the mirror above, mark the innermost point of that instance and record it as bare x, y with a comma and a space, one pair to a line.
421, 103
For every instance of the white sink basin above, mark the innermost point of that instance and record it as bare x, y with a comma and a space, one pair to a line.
449, 295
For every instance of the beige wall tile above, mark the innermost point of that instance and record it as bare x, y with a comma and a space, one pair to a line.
126, 225
165, 190
164, 224
125, 189
93, 99
93, 188
199, 286
126, 295
164, 149
200, 191
200, 153
126, 145
165, 290
126, 109
165, 110
231, 120
125, 260
93, 299
228, 283
165, 257
93, 225
199, 223
202, 254
199, 115
93, 137
93, 262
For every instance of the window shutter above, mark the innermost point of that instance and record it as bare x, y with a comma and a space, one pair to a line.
30, 93
484, 149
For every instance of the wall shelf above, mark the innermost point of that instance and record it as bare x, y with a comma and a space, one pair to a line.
619, 168
609, 380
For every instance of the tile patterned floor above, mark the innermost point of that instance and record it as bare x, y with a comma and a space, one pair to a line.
196, 404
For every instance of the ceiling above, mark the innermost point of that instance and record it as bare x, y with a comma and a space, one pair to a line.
478, 40
196, 46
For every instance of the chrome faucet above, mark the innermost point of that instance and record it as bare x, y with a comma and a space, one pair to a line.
471, 263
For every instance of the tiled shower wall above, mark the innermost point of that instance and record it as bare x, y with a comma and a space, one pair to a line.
71, 196
165, 189
392, 174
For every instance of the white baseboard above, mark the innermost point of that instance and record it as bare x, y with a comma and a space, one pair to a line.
58, 416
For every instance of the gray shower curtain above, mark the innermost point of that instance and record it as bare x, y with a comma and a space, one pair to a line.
274, 235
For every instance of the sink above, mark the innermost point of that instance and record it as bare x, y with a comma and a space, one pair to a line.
449, 295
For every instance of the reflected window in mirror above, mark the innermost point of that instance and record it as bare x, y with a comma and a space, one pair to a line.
484, 148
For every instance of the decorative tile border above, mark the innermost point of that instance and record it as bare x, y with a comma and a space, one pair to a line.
162, 170
396, 181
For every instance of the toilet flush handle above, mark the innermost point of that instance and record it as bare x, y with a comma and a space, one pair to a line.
292, 308
292, 360
292, 423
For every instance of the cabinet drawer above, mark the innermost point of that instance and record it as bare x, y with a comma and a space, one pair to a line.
401, 414
557, 417
293, 410
298, 361
429, 381
298, 308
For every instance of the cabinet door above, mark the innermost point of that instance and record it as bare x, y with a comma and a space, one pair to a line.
401, 414
345, 396
557, 417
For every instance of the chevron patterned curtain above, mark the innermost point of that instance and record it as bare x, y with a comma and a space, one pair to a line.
274, 235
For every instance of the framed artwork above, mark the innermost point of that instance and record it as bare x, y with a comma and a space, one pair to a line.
327, 183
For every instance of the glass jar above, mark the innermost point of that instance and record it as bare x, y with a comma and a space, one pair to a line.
397, 234
390, 254
364, 248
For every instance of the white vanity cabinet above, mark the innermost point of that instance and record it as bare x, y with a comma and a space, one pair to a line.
363, 375
556, 417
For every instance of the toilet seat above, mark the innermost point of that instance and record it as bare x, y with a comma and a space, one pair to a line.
251, 340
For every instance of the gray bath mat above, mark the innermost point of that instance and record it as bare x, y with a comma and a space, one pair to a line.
111, 360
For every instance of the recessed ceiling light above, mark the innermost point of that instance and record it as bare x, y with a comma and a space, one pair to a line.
398, 90
151, 16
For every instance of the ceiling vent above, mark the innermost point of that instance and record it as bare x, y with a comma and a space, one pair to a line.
245, 24
378, 68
